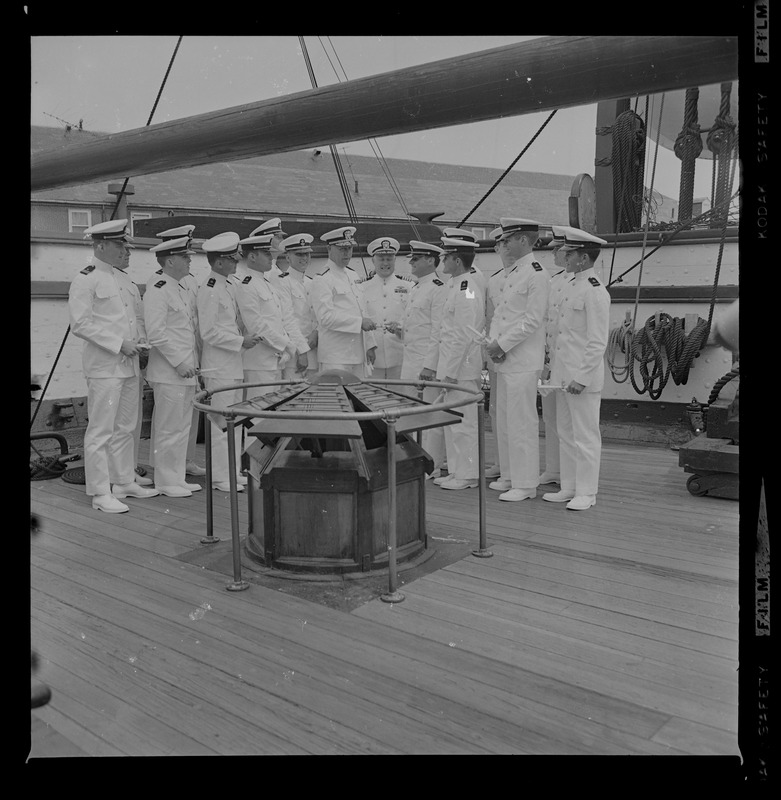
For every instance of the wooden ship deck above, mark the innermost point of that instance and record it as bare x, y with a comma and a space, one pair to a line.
607, 632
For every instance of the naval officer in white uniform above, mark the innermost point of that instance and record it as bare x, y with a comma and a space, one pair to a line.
171, 322
460, 360
298, 249
517, 348
419, 333
106, 312
262, 313
386, 295
223, 343
578, 365
558, 280
344, 330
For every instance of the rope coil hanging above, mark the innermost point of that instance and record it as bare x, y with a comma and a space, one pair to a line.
688, 146
627, 161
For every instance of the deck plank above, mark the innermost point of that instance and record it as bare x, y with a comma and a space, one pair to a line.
612, 631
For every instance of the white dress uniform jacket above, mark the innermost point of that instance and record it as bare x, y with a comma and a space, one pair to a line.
556, 287
218, 322
583, 330
283, 284
105, 308
299, 285
422, 321
261, 313
171, 321
460, 356
385, 300
339, 309
518, 317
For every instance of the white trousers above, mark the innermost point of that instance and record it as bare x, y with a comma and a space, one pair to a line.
191, 439
433, 439
552, 459
109, 443
356, 369
219, 449
461, 441
171, 425
581, 442
518, 428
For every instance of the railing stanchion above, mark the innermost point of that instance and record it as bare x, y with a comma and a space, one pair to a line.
393, 595
483, 552
237, 585
210, 538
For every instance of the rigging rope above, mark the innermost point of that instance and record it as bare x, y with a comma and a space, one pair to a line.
503, 175
334, 154
372, 142
627, 162
116, 206
688, 146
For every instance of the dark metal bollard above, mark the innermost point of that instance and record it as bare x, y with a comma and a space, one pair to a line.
210, 538
393, 595
483, 552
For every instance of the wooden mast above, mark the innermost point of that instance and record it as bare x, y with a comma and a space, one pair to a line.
538, 75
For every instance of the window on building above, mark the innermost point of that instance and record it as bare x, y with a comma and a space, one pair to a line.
136, 215
79, 220
696, 209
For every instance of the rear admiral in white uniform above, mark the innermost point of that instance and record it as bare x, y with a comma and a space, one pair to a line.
460, 360
171, 322
223, 343
517, 348
578, 364
385, 295
106, 312
344, 330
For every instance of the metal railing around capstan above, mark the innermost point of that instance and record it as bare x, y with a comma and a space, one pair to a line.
389, 416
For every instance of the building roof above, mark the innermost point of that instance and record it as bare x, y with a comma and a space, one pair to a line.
299, 182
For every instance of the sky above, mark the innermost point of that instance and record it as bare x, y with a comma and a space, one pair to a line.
87, 78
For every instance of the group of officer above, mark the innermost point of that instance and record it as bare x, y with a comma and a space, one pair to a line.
258, 318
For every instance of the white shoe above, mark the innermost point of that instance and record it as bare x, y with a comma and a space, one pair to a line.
514, 495
558, 497
174, 491
457, 484
133, 490
193, 487
225, 487
581, 502
550, 477
493, 471
109, 504
142, 481
501, 485
191, 468
439, 481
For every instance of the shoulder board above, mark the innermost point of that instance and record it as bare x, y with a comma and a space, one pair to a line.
437, 282
497, 272
159, 284
324, 272
361, 280
282, 275
406, 278
87, 270
350, 268
537, 267
158, 272
593, 281
464, 285
308, 277
211, 281
247, 279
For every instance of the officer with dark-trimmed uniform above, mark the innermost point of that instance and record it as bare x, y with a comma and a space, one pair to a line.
106, 312
578, 365
171, 322
298, 249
